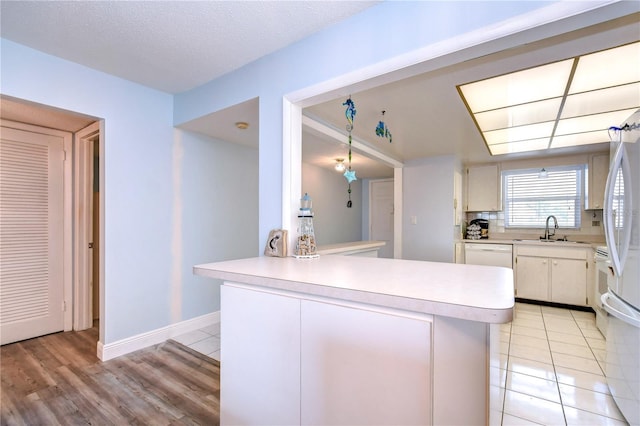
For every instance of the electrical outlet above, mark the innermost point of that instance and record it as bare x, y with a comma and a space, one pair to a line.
595, 223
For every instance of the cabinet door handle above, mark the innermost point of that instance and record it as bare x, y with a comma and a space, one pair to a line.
544, 262
555, 262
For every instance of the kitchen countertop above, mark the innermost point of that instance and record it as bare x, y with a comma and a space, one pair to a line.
469, 292
533, 241
351, 247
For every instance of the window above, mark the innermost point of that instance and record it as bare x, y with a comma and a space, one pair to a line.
529, 198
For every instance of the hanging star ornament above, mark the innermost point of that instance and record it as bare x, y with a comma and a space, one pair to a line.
350, 175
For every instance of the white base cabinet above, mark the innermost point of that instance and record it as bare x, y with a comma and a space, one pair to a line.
552, 274
569, 281
260, 358
290, 358
532, 277
364, 367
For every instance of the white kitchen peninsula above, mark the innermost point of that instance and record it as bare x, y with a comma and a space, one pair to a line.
357, 340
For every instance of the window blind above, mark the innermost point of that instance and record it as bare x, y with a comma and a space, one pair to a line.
529, 198
618, 200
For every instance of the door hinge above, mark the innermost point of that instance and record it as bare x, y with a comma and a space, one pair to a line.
64, 155
90, 245
64, 306
587, 262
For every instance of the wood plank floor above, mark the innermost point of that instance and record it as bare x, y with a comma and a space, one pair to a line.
58, 380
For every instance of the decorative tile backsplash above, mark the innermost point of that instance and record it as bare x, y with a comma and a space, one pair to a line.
591, 226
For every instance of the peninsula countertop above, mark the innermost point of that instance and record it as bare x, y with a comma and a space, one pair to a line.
469, 292
350, 247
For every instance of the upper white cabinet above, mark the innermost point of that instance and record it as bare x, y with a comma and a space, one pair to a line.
598, 171
483, 189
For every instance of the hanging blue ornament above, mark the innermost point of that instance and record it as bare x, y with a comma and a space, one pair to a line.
350, 175
382, 130
350, 112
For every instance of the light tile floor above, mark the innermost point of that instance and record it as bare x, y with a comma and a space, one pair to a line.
550, 368
205, 340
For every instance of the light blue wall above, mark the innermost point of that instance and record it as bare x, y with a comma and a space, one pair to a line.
142, 226
138, 191
379, 33
218, 205
172, 198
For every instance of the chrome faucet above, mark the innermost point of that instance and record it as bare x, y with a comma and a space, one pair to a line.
547, 233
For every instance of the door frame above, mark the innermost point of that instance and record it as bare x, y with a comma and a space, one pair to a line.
371, 183
67, 202
83, 220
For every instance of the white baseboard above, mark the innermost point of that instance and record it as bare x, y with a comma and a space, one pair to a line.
141, 341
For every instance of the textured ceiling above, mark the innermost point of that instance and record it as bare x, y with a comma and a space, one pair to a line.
172, 46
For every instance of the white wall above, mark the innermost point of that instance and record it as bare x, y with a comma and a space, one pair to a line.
333, 222
428, 193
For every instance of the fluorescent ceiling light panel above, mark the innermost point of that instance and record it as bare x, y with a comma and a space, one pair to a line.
610, 99
534, 112
523, 146
588, 138
566, 103
607, 68
591, 123
547, 81
520, 133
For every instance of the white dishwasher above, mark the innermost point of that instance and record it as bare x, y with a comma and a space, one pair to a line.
489, 254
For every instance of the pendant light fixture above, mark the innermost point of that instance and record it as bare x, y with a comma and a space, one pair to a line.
339, 166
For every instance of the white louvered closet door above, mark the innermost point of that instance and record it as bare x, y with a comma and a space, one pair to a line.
31, 234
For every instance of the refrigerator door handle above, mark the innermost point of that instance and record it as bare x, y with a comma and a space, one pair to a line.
631, 320
618, 250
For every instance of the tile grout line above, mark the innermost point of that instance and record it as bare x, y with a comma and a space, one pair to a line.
553, 363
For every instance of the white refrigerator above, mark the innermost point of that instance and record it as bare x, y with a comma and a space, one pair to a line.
622, 301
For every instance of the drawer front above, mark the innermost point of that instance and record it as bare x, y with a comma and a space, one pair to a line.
555, 252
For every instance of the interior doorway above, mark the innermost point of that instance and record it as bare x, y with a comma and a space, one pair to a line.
87, 226
35, 247
77, 299
381, 214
